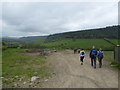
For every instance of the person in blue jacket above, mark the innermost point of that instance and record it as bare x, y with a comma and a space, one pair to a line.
93, 54
100, 55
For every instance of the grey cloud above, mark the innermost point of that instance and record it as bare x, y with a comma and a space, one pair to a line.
47, 18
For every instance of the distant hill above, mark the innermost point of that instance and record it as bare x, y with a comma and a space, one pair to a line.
10, 42
77, 39
99, 33
30, 38
110, 32
18, 41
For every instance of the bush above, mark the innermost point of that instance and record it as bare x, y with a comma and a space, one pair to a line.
4, 47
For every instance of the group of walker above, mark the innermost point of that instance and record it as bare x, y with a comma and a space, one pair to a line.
93, 55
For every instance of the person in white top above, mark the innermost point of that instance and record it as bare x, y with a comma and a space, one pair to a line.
82, 55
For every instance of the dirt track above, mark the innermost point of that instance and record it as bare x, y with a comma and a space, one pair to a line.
70, 74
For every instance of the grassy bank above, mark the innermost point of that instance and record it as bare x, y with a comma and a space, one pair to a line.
18, 67
109, 55
117, 65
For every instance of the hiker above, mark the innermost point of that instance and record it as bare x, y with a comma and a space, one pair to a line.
93, 54
82, 55
75, 50
79, 50
100, 55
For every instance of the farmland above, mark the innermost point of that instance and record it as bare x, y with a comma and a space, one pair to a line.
73, 43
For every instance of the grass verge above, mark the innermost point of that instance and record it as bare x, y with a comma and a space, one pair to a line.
109, 55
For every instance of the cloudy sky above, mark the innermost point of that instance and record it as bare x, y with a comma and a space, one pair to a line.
44, 18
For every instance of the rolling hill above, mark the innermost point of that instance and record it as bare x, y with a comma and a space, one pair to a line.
69, 40
99, 33
30, 38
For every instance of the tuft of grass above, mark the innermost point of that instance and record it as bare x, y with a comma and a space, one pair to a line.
117, 65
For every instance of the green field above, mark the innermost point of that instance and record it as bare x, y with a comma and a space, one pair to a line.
74, 43
109, 56
16, 65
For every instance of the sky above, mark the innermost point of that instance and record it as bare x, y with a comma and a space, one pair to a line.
21, 19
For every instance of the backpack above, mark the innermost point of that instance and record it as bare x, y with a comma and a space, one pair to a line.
93, 52
82, 53
100, 54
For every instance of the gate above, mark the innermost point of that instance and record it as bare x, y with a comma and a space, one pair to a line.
117, 54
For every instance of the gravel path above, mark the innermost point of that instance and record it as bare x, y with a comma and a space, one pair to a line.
70, 74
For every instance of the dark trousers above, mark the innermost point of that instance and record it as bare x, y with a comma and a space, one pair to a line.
81, 58
75, 51
100, 62
93, 61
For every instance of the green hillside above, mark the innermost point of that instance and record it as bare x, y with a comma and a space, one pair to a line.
81, 43
99, 33
72, 43
69, 40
